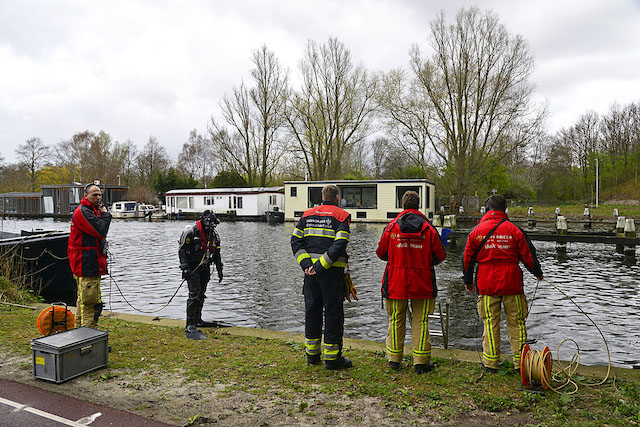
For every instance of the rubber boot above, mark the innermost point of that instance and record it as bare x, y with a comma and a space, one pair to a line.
192, 332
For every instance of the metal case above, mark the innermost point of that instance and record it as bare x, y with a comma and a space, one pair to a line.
68, 354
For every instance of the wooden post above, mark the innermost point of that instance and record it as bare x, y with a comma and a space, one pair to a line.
561, 230
532, 221
630, 231
620, 223
483, 210
436, 221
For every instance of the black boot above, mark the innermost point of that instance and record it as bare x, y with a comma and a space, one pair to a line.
341, 363
193, 333
313, 359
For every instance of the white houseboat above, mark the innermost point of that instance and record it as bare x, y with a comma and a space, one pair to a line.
250, 203
366, 201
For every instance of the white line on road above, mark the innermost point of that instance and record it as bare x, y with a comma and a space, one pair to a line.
20, 407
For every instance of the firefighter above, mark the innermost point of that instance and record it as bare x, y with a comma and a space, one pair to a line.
319, 243
199, 246
87, 253
497, 246
411, 247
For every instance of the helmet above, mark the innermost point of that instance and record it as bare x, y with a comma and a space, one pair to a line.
208, 219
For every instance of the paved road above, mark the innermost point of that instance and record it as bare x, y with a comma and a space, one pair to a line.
25, 405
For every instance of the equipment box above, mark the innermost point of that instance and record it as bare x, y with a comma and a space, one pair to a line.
66, 355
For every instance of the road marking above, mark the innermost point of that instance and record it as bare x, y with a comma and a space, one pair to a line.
20, 407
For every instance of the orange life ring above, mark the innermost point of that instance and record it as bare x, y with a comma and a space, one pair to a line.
55, 319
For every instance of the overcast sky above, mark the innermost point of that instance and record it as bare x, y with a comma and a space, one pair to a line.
141, 68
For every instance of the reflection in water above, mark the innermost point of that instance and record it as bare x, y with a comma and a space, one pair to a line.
262, 286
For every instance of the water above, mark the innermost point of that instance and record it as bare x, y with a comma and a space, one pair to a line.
262, 286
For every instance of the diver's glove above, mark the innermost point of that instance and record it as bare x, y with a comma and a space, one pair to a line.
185, 274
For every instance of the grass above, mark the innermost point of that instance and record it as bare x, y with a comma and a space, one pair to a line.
576, 211
456, 391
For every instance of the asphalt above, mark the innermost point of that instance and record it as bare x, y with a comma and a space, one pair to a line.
26, 405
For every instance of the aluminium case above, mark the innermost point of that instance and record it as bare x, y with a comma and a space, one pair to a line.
68, 354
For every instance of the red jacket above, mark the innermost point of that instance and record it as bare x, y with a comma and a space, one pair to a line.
89, 228
411, 247
499, 272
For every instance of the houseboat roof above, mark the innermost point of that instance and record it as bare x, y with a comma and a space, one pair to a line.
364, 181
21, 195
205, 191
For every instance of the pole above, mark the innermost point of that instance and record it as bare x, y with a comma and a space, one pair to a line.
597, 177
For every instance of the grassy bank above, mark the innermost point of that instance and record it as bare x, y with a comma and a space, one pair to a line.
274, 371
576, 211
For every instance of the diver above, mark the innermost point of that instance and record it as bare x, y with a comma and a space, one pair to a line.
199, 246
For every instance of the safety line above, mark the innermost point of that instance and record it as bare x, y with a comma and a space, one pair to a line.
20, 407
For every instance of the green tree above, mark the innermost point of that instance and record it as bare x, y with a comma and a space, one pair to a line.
228, 179
171, 180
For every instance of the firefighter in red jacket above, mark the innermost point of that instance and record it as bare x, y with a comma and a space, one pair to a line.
499, 279
87, 253
411, 247
319, 243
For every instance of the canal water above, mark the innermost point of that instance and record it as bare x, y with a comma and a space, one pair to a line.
262, 287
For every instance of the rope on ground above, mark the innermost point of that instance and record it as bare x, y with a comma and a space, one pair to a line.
566, 375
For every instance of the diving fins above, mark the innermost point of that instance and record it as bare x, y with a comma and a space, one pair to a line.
194, 333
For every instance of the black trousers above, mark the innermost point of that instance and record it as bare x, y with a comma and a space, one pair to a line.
197, 287
324, 294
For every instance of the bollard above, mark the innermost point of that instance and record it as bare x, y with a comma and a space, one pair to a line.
620, 223
447, 221
461, 209
587, 217
532, 221
561, 230
436, 222
557, 212
483, 210
454, 222
630, 231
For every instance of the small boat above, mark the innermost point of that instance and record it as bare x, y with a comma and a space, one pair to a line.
131, 209
275, 216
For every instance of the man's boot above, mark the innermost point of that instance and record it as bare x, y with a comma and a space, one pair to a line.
341, 363
193, 333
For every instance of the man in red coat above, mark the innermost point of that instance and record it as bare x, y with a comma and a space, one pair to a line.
88, 254
499, 279
411, 247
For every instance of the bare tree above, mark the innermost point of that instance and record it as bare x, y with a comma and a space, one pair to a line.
477, 85
583, 139
197, 158
252, 145
123, 160
332, 110
71, 155
33, 154
152, 159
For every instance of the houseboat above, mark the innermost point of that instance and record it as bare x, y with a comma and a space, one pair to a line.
242, 203
366, 201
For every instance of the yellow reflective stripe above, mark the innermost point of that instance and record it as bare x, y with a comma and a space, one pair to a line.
326, 261
302, 256
489, 327
422, 353
339, 264
342, 235
331, 351
394, 325
424, 325
490, 356
312, 346
522, 332
319, 232
298, 233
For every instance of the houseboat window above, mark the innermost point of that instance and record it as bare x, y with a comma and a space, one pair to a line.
182, 202
118, 206
315, 196
129, 206
74, 195
230, 202
294, 191
359, 197
273, 200
191, 202
401, 189
209, 200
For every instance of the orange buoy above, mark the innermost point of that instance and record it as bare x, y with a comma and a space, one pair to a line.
55, 319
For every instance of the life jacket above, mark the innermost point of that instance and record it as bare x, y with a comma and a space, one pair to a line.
411, 247
499, 272
87, 235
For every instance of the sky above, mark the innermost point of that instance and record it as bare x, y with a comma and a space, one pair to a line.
159, 67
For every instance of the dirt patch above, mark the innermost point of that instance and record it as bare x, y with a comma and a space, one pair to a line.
176, 400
